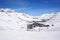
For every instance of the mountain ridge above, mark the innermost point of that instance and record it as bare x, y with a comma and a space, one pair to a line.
10, 19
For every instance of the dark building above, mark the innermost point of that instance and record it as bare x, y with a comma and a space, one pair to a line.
35, 24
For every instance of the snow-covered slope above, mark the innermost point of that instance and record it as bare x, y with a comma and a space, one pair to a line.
12, 20
12, 23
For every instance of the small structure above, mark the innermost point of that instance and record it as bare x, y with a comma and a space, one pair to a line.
35, 24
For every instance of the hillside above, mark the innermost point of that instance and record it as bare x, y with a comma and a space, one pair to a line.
21, 26
12, 20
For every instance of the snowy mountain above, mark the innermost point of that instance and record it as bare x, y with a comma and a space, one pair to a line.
19, 26
12, 20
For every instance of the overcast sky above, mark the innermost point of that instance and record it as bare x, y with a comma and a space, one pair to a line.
32, 7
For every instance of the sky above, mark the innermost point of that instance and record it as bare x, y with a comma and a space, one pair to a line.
32, 7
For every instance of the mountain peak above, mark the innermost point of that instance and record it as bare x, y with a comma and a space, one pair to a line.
6, 10
10, 19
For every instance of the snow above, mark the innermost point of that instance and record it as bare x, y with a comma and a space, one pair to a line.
13, 26
18, 35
